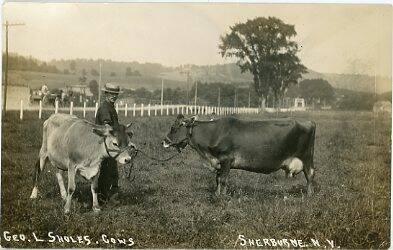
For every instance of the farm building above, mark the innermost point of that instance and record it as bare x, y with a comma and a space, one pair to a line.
79, 89
16, 93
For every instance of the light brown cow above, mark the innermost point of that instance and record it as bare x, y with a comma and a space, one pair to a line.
77, 146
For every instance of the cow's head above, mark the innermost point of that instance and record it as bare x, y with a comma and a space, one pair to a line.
180, 133
117, 142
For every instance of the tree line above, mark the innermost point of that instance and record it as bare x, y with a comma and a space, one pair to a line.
231, 94
22, 63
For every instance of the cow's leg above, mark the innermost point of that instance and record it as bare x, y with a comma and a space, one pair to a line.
94, 188
222, 178
63, 192
309, 173
71, 188
39, 166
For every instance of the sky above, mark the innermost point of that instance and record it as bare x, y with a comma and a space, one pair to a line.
334, 38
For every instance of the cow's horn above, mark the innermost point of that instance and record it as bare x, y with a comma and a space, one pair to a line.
129, 125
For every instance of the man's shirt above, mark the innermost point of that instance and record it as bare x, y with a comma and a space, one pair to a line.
106, 114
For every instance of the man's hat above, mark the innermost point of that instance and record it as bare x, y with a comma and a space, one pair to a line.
111, 88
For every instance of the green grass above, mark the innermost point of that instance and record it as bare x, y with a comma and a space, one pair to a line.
172, 204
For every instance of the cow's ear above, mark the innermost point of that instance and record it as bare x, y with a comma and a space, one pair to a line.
103, 131
98, 132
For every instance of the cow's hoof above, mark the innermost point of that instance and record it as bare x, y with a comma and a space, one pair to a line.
34, 193
96, 209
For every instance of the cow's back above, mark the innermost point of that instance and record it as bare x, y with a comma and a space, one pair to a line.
69, 139
261, 146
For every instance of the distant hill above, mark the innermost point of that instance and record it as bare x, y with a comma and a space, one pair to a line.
231, 73
152, 73
362, 83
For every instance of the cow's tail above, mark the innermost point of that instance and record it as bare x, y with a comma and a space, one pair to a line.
40, 163
311, 143
309, 169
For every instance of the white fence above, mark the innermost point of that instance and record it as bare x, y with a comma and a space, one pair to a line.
142, 110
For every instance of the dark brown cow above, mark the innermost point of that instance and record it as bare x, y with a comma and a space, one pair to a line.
261, 146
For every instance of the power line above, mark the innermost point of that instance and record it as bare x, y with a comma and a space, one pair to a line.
187, 72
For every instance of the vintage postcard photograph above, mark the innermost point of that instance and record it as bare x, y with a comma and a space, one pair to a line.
196, 125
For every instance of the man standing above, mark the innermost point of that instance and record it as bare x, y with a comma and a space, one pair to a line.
45, 92
109, 177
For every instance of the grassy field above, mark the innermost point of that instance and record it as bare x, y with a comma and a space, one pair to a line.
53, 80
172, 204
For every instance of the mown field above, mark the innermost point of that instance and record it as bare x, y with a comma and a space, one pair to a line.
172, 204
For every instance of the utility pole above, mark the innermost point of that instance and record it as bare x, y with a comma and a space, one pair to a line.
196, 93
249, 99
7, 24
162, 92
187, 73
219, 97
99, 85
235, 99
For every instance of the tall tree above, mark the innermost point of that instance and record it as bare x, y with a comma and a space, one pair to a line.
264, 47
316, 89
93, 86
73, 66
94, 72
129, 71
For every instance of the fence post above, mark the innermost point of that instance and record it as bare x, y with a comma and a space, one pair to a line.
84, 109
177, 109
71, 108
117, 108
96, 109
148, 110
56, 106
21, 110
155, 110
173, 110
133, 110
162, 109
167, 109
126, 110
40, 111
142, 109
